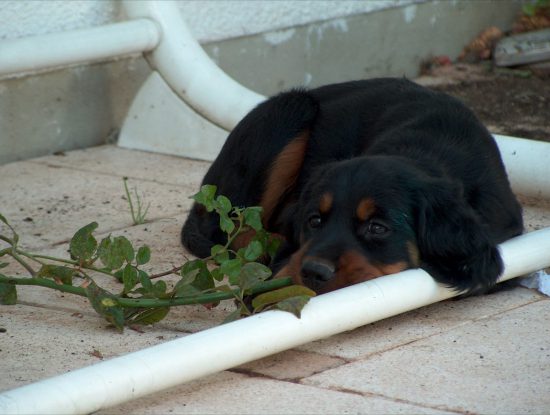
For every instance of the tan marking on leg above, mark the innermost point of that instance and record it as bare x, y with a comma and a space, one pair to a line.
365, 209
243, 240
283, 174
325, 204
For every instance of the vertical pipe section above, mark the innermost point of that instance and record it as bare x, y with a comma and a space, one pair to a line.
189, 71
160, 367
35, 53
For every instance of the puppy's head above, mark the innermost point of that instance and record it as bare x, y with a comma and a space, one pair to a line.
354, 222
363, 218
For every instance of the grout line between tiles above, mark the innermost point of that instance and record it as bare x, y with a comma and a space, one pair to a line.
85, 170
171, 216
442, 331
399, 400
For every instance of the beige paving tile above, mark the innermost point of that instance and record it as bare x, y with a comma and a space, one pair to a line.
48, 204
417, 324
118, 161
291, 365
498, 365
39, 343
231, 393
536, 213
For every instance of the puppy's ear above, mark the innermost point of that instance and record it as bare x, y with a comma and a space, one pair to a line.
455, 246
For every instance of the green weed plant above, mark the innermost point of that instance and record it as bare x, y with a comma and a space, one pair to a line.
144, 298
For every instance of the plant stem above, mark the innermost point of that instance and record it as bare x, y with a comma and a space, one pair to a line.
64, 261
235, 233
43, 282
16, 256
162, 274
124, 180
203, 299
150, 302
6, 239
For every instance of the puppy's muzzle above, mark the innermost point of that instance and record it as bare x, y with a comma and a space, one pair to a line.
317, 271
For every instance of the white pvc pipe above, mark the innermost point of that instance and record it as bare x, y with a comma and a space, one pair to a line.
189, 71
31, 54
160, 367
527, 163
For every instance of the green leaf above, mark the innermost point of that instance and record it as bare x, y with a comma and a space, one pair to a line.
58, 273
113, 252
232, 269
219, 253
105, 256
269, 298
159, 289
273, 246
190, 270
149, 315
217, 274
129, 277
3, 264
203, 281
206, 196
223, 204
143, 255
196, 274
83, 245
252, 274
253, 251
183, 289
124, 247
293, 305
106, 305
8, 293
145, 281
253, 217
3, 219
226, 224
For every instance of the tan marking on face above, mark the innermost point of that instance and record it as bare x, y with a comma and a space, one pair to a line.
414, 254
388, 269
354, 268
365, 209
283, 174
294, 266
325, 204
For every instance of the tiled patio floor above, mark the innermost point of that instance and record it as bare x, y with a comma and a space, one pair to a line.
488, 354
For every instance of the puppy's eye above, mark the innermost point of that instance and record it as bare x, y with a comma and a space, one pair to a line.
375, 228
314, 221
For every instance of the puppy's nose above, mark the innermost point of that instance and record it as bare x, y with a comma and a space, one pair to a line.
316, 272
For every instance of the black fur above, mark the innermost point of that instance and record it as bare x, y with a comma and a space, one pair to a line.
431, 168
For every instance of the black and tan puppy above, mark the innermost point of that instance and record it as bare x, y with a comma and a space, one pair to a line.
364, 179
